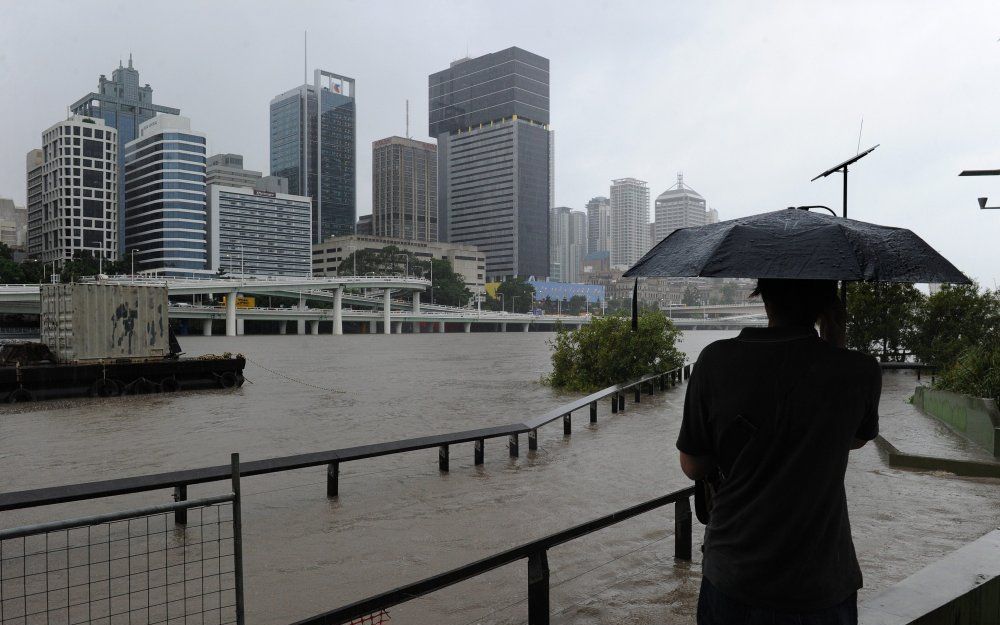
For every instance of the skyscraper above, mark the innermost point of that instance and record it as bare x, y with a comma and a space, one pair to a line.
314, 145
166, 217
629, 221
598, 225
569, 244
490, 116
680, 206
73, 191
404, 189
124, 106
227, 170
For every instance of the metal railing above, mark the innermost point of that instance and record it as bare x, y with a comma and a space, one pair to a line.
180, 480
132, 566
535, 552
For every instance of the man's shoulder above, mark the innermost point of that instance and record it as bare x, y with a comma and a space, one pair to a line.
863, 364
718, 349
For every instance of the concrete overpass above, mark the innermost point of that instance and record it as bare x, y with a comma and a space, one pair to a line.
745, 308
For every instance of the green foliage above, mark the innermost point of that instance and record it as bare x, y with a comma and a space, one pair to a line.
881, 317
975, 372
952, 320
574, 306
449, 287
691, 296
728, 293
606, 351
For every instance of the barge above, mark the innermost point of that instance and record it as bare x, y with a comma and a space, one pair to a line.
105, 340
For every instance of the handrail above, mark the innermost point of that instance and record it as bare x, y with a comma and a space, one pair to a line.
534, 552
180, 480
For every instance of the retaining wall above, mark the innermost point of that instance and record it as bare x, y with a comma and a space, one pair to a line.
974, 418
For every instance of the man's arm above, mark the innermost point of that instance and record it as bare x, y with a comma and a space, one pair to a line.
697, 467
858, 443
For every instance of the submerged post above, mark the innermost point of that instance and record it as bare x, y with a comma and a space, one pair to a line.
621, 402
479, 453
567, 424
593, 412
533, 440
181, 494
443, 458
333, 479
512, 445
637, 392
538, 588
614, 403
682, 529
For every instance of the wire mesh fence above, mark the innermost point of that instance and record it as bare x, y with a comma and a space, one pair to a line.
140, 570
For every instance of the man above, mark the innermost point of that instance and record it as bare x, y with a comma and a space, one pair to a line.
770, 418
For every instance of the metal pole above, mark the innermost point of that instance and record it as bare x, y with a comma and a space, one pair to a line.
682, 529
237, 539
538, 588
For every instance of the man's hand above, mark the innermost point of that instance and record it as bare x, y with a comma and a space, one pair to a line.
697, 467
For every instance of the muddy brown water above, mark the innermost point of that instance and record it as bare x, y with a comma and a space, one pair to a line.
398, 519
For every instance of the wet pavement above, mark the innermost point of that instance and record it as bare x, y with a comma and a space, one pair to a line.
399, 519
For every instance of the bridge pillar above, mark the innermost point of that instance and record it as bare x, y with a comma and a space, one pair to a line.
314, 327
373, 327
239, 326
302, 322
338, 314
416, 327
441, 327
416, 302
468, 326
386, 309
399, 327
300, 326
231, 313
526, 327
283, 327
206, 327
503, 327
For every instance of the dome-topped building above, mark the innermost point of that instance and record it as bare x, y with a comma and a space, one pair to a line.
680, 206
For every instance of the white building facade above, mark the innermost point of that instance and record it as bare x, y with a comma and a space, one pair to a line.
680, 206
72, 191
629, 221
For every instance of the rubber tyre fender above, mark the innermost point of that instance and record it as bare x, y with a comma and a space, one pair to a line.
20, 395
170, 385
240, 379
227, 379
104, 388
142, 386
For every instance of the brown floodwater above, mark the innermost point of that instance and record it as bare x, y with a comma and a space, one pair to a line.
399, 519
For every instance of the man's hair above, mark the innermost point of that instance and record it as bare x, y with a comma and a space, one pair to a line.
799, 302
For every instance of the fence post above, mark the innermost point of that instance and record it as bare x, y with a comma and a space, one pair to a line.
567, 424
512, 445
479, 451
682, 529
663, 382
181, 494
234, 463
593, 412
533, 440
652, 389
621, 402
637, 392
443, 458
538, 588
333, 479
687, 371
614, 403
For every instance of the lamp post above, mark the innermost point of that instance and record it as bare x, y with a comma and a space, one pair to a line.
982, 172
501, 301
513, 302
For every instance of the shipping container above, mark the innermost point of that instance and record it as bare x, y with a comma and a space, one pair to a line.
95, 321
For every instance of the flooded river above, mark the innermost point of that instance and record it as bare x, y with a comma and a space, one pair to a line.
398, 519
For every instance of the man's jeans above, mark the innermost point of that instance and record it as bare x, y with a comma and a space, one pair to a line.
715, 608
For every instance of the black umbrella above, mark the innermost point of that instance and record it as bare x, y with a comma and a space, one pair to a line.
797, 244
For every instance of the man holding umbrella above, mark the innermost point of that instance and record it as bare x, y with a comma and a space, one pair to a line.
771, 416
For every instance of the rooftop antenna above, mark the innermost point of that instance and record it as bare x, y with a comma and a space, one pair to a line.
859, 134
305, 56
842, 168
407, 118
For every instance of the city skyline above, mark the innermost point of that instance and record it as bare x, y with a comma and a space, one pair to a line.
792, 109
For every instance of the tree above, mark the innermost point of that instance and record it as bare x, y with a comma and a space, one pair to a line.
952, 320
449, 287
606, 351
691, 297
729, 293
881, 317
517, 296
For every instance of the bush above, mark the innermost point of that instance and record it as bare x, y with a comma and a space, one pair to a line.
952, 320
976, 372
606, 352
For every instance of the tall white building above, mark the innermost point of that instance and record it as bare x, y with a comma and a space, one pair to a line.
568, 244
680, 206
166, 212
598, 225
73, 191
713, 216
13, 224
629, 221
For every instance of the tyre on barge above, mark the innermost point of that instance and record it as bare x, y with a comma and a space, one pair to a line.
105, 340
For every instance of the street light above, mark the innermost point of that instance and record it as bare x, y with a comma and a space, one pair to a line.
501, 301
513, 302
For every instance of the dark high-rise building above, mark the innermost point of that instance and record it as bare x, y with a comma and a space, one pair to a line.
404, 189
124, 106
490, 116
313, 145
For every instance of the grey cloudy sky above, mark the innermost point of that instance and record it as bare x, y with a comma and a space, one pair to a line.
750, 100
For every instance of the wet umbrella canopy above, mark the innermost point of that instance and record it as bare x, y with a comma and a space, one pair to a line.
797, 244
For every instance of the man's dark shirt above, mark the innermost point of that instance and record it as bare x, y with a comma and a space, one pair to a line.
779, 536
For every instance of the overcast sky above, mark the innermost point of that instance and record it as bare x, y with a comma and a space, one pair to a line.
749, 100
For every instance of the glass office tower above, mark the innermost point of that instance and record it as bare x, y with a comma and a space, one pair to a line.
313, 137
123, 105
166, 218
490, 116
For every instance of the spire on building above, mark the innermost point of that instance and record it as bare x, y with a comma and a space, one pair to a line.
130, 60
